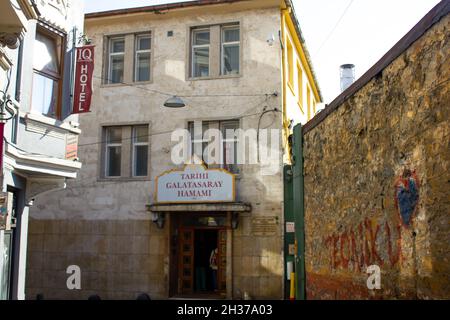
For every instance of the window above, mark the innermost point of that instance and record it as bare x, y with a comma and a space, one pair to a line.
290, 61
230, 50
116, 60
47, 78
228, 144
113, 151
126, 151
140, 150
200, 52
215, 51
308, 102
300, 86
142, 58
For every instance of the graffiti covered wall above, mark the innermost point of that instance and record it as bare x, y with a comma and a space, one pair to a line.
377, 182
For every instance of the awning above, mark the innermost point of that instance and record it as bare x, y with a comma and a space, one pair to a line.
200, 207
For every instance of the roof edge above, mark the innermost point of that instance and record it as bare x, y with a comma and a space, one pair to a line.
430, 19
293, 15
157, 8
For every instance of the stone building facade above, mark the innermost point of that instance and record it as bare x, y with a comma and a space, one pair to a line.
107, 222
376, 166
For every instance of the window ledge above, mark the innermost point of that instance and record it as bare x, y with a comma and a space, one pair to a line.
50, 121
140, 83
113, 85
124, 179
127, 84
232, 76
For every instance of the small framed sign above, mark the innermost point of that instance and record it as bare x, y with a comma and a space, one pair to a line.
290, 227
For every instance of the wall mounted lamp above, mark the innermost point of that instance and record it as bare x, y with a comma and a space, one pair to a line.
174, 102
234, 220
158, 218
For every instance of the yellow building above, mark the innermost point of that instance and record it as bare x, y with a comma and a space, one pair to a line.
301, 92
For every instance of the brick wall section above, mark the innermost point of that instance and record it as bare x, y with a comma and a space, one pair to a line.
384, 150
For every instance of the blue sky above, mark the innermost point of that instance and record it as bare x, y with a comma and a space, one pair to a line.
361, 36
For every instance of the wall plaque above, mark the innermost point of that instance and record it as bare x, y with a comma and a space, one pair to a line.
264, 226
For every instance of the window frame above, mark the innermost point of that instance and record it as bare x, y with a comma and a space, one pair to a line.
110, 54
59, 39
223, 28
220, 124
109, 145
137, 52
308, 101
234, 140
196, 46
290, 63
300, 86
215, 53
126, 170
135, 144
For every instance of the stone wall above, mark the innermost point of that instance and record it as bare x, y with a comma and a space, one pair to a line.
118, 259
377, 182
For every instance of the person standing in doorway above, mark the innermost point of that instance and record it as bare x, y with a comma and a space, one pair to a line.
213, 266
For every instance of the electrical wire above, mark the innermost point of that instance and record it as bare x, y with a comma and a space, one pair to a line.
259, 125
335, 26
241, 116
134, 85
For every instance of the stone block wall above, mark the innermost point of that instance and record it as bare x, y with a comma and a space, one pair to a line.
377, 182
119, 259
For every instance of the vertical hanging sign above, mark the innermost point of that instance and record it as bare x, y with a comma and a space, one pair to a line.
83, 79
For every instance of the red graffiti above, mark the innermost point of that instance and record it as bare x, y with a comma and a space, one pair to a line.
344, 259
373, 238
371, 243
393, 257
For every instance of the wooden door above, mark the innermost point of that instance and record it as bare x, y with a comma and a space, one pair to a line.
222, 263
186, 261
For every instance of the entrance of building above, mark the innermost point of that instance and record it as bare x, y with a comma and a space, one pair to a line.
205, 260
200, 256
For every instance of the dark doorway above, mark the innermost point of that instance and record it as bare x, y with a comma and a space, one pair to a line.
205, 241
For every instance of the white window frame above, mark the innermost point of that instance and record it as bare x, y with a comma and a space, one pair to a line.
57, 77
137, 52
133, 152
224, 141
108, 146
230, 43
202, 140
196, 46
111, 54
